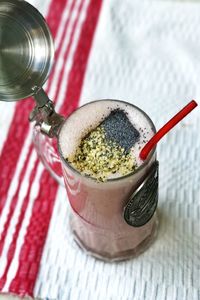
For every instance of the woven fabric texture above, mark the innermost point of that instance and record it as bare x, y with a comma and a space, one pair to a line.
145, 53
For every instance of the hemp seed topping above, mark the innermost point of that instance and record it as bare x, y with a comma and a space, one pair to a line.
99, 157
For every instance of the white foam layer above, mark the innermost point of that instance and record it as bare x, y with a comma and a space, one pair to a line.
89, 116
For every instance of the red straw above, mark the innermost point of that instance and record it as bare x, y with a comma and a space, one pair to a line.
166, 128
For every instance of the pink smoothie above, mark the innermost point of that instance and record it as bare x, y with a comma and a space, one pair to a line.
97, 220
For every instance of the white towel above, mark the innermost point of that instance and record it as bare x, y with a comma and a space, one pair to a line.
147, 53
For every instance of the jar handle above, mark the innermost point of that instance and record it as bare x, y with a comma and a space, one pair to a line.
47, 151
45, 133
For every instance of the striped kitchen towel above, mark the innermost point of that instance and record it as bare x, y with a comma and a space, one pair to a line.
145, 52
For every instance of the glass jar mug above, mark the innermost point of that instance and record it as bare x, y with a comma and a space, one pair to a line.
115, 219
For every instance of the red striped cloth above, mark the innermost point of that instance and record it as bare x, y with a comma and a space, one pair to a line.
27, 191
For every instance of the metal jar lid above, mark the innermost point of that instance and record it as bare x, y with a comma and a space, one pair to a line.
26, 50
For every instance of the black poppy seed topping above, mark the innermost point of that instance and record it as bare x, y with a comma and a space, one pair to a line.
119, 129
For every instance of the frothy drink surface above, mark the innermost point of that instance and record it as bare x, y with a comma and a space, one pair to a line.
103, 140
